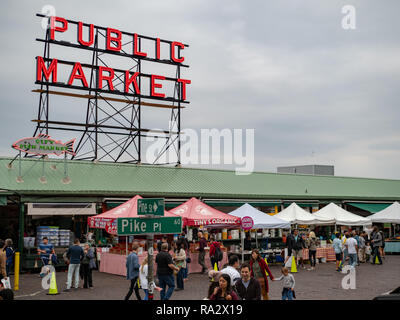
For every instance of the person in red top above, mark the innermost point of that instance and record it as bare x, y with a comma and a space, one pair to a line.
258, 267
213, 253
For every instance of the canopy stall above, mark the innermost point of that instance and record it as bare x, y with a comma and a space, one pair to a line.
341, 216
108, 219
196, 213
261, 220
296, 215
389, 215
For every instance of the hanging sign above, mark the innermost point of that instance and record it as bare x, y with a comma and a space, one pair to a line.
247, 223
42, 144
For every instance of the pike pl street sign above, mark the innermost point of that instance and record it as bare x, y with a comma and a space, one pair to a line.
162, 225
153, 206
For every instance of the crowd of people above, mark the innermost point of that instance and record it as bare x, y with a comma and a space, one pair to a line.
248, 281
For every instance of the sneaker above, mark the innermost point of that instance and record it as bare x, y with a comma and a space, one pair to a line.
309, 269
178, 289
66, 290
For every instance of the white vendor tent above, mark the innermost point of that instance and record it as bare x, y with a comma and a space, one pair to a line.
261, 219
340, 216
296, 215
389, 215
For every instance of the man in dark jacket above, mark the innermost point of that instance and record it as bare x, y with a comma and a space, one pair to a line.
132, 271
74, 254
247, 288
295, 245
376, 241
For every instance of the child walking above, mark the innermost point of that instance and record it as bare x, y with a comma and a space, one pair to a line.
288, 284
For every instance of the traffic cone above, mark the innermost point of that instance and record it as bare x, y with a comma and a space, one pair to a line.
138, 283
53, 284
376, 260
215, 267
294, 267
266, 272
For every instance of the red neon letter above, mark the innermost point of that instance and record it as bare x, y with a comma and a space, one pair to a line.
77, 73
53, 28
41, 68
116, 39
91, 37
173, 45
184, 83
158, 49
156, 85
136, 47
128, 82
108, 78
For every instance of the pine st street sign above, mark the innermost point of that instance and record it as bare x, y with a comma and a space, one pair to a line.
151, 206
161, 225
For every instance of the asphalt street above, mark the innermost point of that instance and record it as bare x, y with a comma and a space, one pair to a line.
322, 284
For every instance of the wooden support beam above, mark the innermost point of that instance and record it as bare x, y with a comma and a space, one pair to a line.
88, 96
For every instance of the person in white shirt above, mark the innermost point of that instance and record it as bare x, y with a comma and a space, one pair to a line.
231, 269
143, 273
352, 249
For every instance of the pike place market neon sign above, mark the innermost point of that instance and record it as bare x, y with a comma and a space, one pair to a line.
118, 43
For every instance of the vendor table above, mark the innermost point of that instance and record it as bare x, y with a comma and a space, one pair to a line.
392, 246
116, 263
328, 253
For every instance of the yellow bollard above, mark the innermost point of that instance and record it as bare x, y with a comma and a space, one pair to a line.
16, 272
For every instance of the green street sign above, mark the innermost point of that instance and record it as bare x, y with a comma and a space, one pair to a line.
161, 225
151, 206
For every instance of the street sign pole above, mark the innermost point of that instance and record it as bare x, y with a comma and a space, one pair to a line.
150, 275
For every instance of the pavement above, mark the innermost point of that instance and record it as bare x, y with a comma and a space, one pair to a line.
324, 283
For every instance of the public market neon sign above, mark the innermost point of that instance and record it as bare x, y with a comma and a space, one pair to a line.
115, 41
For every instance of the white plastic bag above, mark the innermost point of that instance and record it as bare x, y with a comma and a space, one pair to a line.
6, 283
288, 263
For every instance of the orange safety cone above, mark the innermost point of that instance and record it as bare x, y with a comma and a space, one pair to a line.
53, 285
293, 269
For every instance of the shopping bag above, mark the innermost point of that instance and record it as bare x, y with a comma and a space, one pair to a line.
288, 263
6, 283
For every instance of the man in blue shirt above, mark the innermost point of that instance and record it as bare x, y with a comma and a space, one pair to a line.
45, 250
337, 246
132, 271
75, 255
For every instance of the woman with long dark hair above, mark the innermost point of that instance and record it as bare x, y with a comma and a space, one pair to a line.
224, 291
259, 270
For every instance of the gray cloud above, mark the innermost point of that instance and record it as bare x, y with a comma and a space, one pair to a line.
314, 93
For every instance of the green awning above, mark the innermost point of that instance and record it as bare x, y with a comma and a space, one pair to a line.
370, 207
240, 203
302, 204
3, 200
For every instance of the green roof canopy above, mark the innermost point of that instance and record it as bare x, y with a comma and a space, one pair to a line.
371, 207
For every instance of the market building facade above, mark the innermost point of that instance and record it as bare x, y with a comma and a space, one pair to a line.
47, 194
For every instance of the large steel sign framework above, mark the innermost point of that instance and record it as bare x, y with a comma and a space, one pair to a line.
112, 129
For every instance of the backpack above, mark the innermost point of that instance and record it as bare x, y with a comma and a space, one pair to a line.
218, 255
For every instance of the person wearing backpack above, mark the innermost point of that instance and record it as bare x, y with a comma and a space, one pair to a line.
216, 254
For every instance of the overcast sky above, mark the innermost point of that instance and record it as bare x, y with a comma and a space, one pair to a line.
314, 92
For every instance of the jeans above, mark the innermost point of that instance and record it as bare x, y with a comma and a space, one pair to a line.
87, 276
312, 256
186, 271
179, 278
201, 261
133, 286
345, 254
73, 271
165, 280
213, 262
287, 293
146, 294
8, 268
376, 253
353, 259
